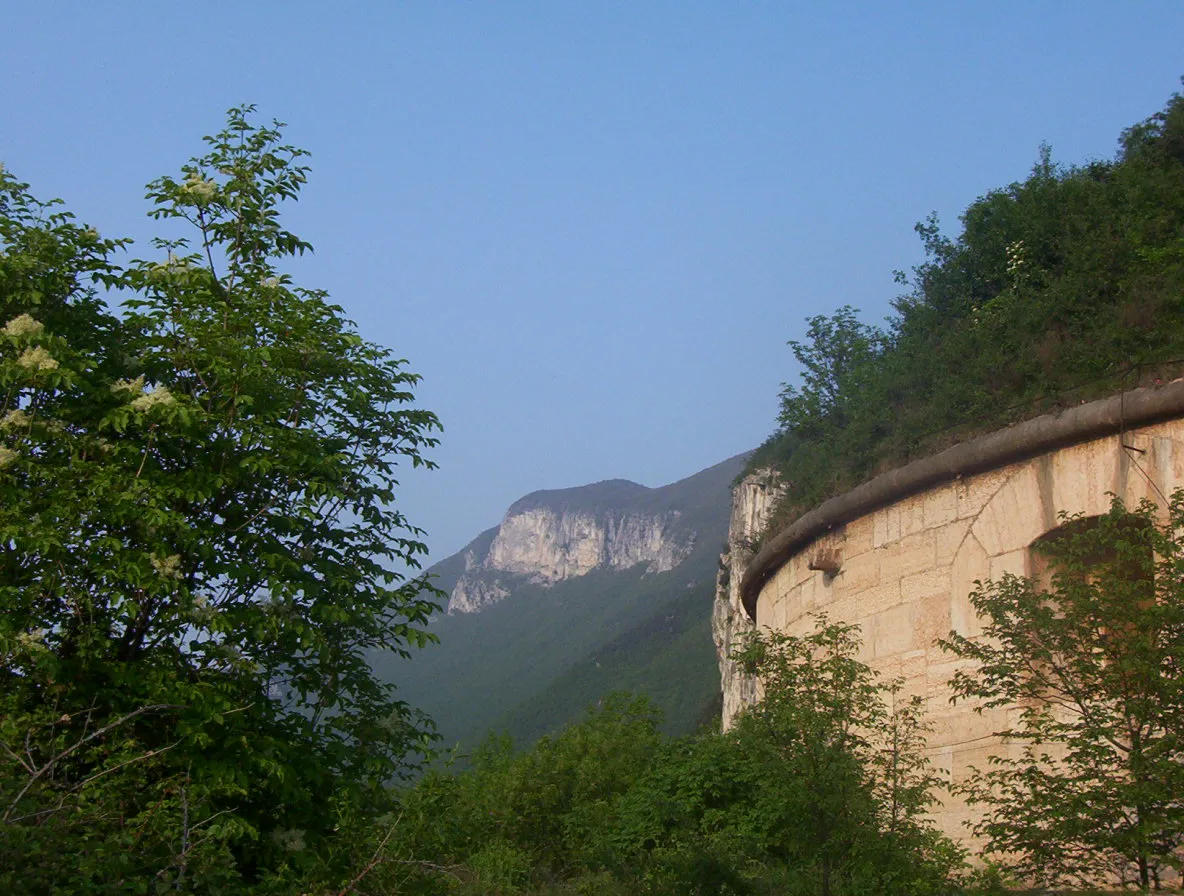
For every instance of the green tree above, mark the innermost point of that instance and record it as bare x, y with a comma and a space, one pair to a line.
198, 544
842, 766
1092, 662
543, 813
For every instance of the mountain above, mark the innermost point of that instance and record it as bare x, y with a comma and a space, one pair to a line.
576, 593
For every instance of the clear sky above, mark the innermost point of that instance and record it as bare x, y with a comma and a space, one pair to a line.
591, 226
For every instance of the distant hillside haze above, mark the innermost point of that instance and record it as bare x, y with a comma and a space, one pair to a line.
577, 593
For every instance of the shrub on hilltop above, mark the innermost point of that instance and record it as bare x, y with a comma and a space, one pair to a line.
1062, 287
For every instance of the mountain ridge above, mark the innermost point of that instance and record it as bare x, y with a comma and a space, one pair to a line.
533, 659
552, 535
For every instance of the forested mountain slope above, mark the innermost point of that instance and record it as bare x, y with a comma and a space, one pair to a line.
577, 593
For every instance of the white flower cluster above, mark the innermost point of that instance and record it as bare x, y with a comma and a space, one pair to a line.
172, 265
1016, 259
23, 325
159, 395
31, 640
37, 358
7, 456
15, 419
167, 567
200, 190
135, 386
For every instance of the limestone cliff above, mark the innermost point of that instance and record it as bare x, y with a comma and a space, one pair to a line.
563, 623
551, 536
752, 500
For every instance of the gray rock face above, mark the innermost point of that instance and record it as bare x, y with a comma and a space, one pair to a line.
545, 543
752, 501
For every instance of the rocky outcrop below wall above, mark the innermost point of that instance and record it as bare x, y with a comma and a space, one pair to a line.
904, 551
752, 499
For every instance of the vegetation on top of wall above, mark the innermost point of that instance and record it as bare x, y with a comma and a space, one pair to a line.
1063, 287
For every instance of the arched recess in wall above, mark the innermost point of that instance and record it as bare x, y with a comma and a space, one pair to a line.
1043, 551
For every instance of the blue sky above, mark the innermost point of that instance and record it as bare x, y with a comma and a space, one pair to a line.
592, 227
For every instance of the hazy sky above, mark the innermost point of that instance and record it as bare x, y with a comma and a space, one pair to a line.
591, 226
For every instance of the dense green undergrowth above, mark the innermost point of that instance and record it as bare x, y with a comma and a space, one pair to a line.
820, 789
1061, 288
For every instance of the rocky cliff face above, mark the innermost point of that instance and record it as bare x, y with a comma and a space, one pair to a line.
548, 537
752, 501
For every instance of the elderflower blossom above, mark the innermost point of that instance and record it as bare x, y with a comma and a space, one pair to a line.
24, 325
37, 359
15, 419
171, 265
7, 456
136, 385
31, 640
202, 191
167, 567
159, 395
1015, 257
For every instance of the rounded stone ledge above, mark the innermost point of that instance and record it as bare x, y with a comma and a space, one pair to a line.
1021, 441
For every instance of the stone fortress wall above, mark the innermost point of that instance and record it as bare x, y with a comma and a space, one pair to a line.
900, 555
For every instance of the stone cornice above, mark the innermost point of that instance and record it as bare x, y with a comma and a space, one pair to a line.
1031, 438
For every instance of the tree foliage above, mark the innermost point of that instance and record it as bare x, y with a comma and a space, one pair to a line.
198, 543
1092, 662
1061, 287
819, 790
843, 758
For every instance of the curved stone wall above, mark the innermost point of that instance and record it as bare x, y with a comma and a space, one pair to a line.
910, 545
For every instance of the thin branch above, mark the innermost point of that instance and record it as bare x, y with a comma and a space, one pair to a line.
99, 732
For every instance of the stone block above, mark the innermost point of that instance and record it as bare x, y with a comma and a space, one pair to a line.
881, 597
1013, 562
894, 631
885, 526
912, 554
859, 534
1169, 459
940, 506
912, 515
913, 668
971, 563
1014, 517
1162, 462
920, 586
859, 571
947, 539
933, 611
972, 493
1083, 474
